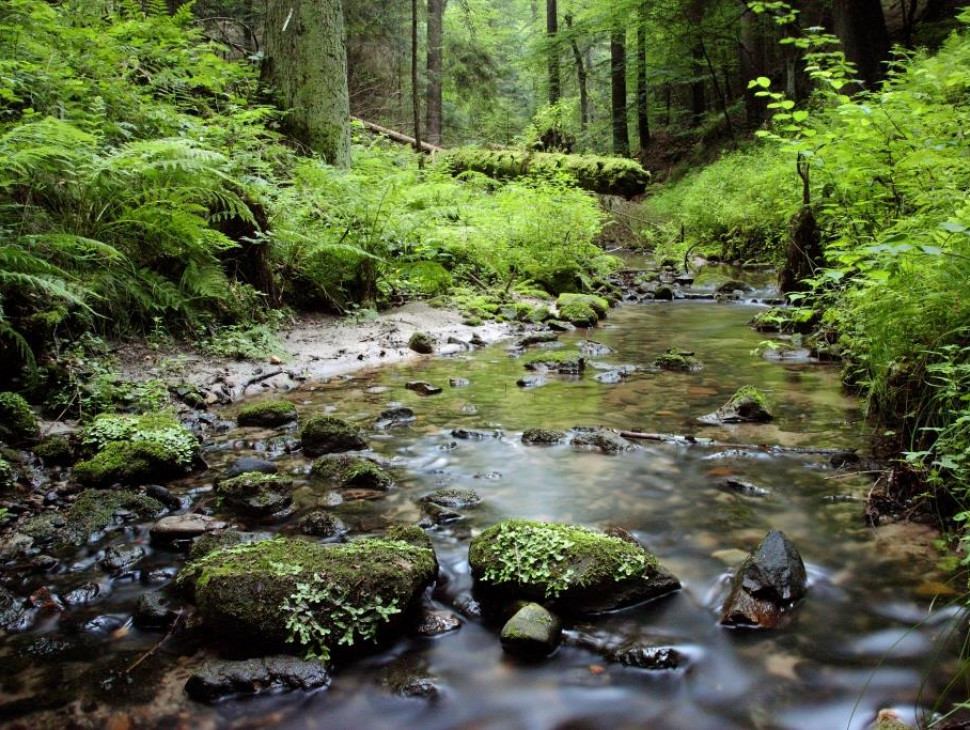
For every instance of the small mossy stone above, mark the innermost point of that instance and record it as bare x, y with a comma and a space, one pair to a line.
567, 361
256, 493
301, 594
421, 343
578, 314
747, 405
602, 439
331, 435
269, 414
678, 361
566, 567
453, 498
17, 421
55, 451
93, 511
321, 523
542, 437
132, 463
352, 472
532, 633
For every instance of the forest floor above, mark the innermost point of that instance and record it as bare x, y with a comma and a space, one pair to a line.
316, 347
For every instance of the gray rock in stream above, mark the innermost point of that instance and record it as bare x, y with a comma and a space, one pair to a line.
218, 680
532, 633
247, 464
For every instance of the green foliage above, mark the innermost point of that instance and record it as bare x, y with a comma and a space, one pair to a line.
158, 428
243, 342
17, 420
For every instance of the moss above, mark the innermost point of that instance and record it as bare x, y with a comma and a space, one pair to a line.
421, 342
17, 421
256, 493
250, 590
328, 435
321, 523
539, 314
598, 304
162, 429
748, 404
55, 450
92, 512
212, 541
578, 314
522, 311
352, 471
7, 476
268, 413
130, 463
678, 361
411, 534
537, 436
566, 360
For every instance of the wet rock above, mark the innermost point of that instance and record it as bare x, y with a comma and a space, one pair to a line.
441, 515
408, 677
678, 361
748, 405
82, 595
610, 377
602, 439
212, 541
733, 286
18, 424
422, 388
247, 464
352, 472
395, 416
537, 338
92, 513
120, 558
13, 612
458, 382
436, 623
330, 435
261, 593
453, 498
531, 381
256, 494
748, 489
766, 585
656, 658
568, 568
532, 633
178, 531
321, 523
154, 612
219, 680
165, 496
564, 362
55, 451
591, 348
471, 433
477, 340
268, 414
421, 343
664, 292
542, 437
557, 326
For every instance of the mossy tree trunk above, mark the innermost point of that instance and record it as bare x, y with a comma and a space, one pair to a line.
306, 62
621, 133
552, 29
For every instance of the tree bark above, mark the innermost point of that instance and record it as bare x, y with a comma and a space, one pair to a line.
861, 27
621, 134
751, 52
415, 91
698, 95
581, 81
552, 29
306, 62
643, 115
436, 9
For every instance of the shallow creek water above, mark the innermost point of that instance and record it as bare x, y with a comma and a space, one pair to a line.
851, 649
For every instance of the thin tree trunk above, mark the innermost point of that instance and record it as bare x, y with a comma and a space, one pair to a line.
698, 95
580, 77
436, 10
621, 134
306, 62
552, 28
643, 115
861, 27
717, 89
668, 103
415, 92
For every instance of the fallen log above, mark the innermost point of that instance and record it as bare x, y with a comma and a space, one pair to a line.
395, 136
604, 175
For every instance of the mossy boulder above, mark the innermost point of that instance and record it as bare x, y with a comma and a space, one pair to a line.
678, 361
94, 511
578, 314
315, 598
132, 463
163, 429
17, 421
598, 304
538, 314
268, 414
748, 405
542, 437
221, 539
256, 494
331, 435
56, 451
566, 361
351, 472
568, 568
421, 343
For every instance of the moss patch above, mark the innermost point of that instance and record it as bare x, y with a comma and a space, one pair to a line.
269, 414
162, 429
55, 450
598, 304
566, 360
256, 493
351, 472
131, 463
330, 435
92, 513
17, 421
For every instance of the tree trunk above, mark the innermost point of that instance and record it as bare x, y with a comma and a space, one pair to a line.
698, 96
415, 91
580, 78
621, 134
436, 9
721, 97
861, 27
643, 116
552, 28
306, 62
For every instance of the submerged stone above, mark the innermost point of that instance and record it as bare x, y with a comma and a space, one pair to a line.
453, 498
422, 388
531, 381
268, 414
566, 567
218, 680
766, 585
178, 531
395, 416
436, 623
532, 633
246, 464
120, 558
93, 512
154, 612
330, 435
313, 597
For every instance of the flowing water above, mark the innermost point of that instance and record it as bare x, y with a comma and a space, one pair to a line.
865, 638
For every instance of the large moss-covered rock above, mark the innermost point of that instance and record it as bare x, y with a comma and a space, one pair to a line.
94, 511
133, 463
158, 428
313, 597
598, 304
17, 421
573, 569
56, 451
256, 494
331, 435
351, 472
578, 314
269, 414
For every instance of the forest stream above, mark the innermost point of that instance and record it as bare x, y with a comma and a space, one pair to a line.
870, 633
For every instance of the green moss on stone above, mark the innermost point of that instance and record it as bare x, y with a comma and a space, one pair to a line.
541, 436
268, 413
329, 435
157, 428
678, 361
55, 450
411, 534
578, 314
133, 463
256, 493
421, 342
92, 512
598, 304
17, 421
565, 360
351, 471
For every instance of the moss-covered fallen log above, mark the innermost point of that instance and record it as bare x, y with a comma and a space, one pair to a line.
605, 175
